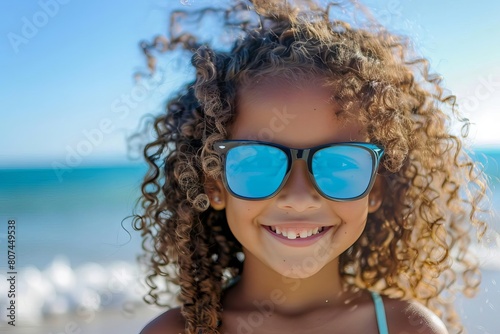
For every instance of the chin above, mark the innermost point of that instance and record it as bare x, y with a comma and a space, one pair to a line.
301, 269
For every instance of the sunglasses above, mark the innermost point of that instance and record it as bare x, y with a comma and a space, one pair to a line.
256, 170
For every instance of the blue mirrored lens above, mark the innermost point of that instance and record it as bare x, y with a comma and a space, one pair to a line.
255, 171
343, 172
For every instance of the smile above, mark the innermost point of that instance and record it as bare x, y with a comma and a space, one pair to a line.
296, 233
297, 236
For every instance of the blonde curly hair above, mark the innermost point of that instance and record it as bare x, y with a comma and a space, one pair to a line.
433, 190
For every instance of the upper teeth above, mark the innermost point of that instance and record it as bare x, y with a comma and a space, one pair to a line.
293, 233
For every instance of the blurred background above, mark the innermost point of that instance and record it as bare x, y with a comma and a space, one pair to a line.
69, 178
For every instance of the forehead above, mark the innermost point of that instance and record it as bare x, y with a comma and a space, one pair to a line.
277, 86
295, 113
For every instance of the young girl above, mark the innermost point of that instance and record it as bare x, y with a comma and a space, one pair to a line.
307, 182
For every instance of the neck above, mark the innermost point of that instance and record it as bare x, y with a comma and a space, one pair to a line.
260, 285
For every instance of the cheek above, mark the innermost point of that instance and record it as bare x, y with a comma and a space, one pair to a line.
352, 211
353, 215
241, 213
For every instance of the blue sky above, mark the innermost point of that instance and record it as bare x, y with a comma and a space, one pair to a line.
67, 84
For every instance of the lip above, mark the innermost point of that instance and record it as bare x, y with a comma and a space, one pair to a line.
297, 242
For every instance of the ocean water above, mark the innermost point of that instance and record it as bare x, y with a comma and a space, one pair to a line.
81, 216
75, 246
75, 249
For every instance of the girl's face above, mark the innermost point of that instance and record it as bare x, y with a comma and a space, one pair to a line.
297, 115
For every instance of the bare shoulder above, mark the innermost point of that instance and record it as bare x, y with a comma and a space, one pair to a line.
169, 322
412, 317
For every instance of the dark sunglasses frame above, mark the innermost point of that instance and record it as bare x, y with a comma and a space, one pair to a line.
306, 154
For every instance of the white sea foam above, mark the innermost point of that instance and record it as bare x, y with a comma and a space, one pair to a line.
61, 289
489, 258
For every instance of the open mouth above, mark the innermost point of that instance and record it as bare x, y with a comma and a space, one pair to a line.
297, 233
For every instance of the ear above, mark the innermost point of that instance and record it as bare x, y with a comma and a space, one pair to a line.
376, 195
216, 193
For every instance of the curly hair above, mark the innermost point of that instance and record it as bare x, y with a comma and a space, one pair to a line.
433, 188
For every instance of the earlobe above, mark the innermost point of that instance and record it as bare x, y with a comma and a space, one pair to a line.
215, 192
376, 195
217, 202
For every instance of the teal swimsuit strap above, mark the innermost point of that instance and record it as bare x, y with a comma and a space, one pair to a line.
380, 312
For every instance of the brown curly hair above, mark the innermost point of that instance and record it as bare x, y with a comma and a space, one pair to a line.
433, 189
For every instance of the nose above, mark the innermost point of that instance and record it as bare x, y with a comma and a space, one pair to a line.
298, 192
